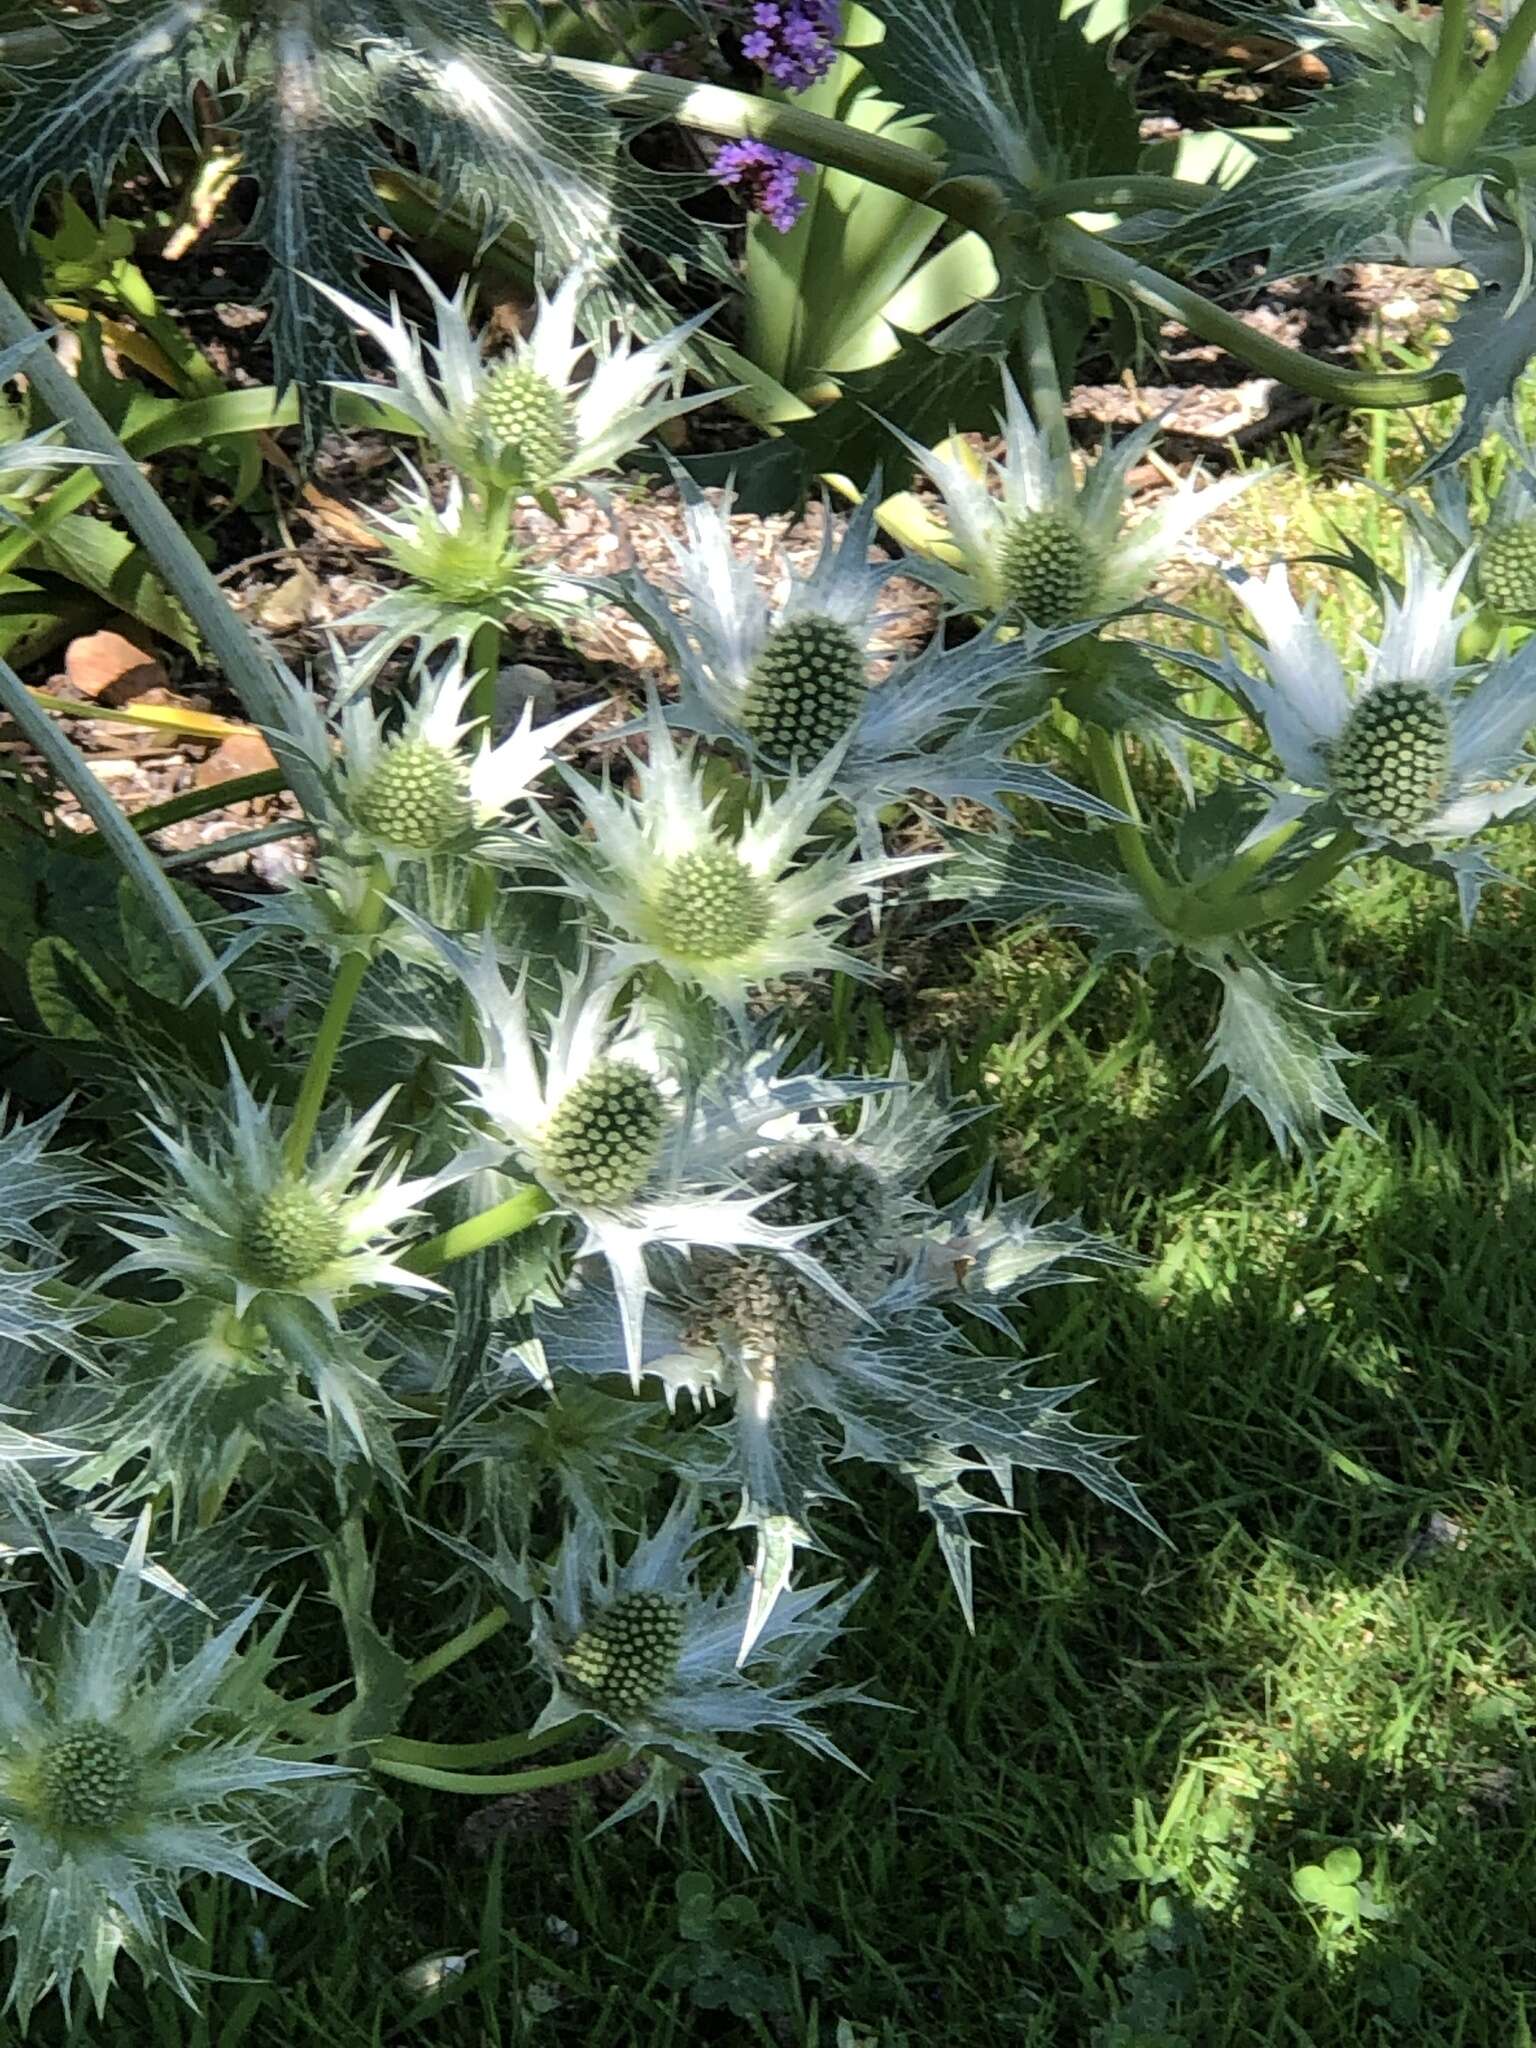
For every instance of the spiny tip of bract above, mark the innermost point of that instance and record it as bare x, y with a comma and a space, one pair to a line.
89, 1778
805, 690
712, 906
415, 795
288, 1235
603, 1139
1506, 566
627, 1655
1047, 568
1390, 765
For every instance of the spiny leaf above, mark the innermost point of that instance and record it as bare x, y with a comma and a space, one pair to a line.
998, 878
1277, 1051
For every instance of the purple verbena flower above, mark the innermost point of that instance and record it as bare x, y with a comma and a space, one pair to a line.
768, 178
795, 41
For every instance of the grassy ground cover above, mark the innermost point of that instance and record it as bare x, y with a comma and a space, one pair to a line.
1270, 1783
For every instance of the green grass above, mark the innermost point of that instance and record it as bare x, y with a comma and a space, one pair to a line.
1085, 1826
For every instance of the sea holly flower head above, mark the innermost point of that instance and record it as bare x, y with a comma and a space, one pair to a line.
640, 1647
599, 1108
767, 178
787, 675
120, 1776
719, 910
1042, 547
1407, 756
529, 418
240, 1224
431, 785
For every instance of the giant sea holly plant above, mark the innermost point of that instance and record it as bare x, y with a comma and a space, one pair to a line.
478, 1218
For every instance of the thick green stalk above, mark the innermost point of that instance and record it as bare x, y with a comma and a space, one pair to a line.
1475, 105
250, 669
1084, 257
1044, 379
1107, 760
506, 1219
136, 859
322, 1057
484, 669
1446, 83
1139, 192
474, 1786
461, 1756
1244, 913
1236, 878
491, 1623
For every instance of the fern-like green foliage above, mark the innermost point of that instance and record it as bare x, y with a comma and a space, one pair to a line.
308, 88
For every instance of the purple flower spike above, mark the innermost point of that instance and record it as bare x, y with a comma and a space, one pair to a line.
769, 178
795, 41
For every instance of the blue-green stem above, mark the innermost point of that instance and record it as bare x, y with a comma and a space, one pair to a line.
491, 1623
1446, 81
485, 668
1137, 192
1475, 103
1106, 758
464, 1756
475, 1233
1044, 378
333, 1025
1243, 913
475, 1786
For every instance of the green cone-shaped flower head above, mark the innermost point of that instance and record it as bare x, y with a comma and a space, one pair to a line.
1506, 565
415, 795
805, 689
603, 1139
711, 906
1047, 568
1390, 765
627, 1656
289, 1234
88, 1778
524, 421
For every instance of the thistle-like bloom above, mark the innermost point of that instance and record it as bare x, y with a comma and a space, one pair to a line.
596, 1107
464, 571
641, 1648
880, 1371
114, 1787
527, 419
1042, 547
720, 910
1405, 758
408, 794
789, 678
241, 1225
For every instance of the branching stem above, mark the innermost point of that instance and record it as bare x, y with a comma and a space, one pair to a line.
491, 1623
473, 1235
322, 1058
474, 1786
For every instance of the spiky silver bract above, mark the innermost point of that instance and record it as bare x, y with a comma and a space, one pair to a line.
641, 1647
1043, 548
1405, 753
121, 1776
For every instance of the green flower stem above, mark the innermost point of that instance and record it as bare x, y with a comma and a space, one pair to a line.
1123, 195
452, 1756
1481, 96
1273, 905
1084, 257
322, 1058
1446, 83
484, 668
98, 1312
248, 666
516, 1213
474, 1786
1044, 378
491, 1623
1236, 878
136, 859
1106, 758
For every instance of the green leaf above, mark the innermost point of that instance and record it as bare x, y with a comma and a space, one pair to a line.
1277, 1051
1494, 335
98, 556
999, 878
67, 993
1016, 93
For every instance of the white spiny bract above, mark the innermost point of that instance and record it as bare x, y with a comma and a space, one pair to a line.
239, 1224
122, 1775
723, 910
531, 417
887, 1374
1407, 756
1042, 547
599, 1108
789, 678
641, 1648
431, 784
